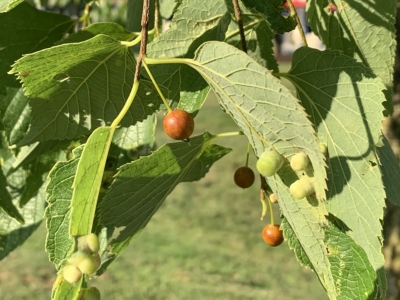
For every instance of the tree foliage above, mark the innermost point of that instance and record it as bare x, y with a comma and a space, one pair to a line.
77, 126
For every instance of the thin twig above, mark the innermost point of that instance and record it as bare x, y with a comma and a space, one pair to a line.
156, 17
144, 33
238, 16
296, 17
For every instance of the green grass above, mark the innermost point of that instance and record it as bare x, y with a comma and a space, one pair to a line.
204, 243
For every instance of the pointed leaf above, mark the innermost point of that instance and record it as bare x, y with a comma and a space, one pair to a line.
84, 90
344, 100
6, 201
87, 181
141, 186
34, 30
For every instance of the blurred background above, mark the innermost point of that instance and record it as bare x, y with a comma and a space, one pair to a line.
205, 240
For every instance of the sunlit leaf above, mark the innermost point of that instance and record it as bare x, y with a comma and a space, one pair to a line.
81, 86
345, 102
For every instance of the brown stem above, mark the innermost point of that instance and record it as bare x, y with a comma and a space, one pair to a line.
156, 17
144, 33
296, 17
238, 16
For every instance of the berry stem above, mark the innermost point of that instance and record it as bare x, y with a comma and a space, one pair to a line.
133, 42
227, 134
247, 155
156, 86
296, 17
271, 211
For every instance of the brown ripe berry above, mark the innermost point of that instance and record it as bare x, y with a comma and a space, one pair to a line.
272, 235
178, 124
244, 177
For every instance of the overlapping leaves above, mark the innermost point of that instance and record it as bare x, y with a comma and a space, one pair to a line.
345, 101
272, 12
81, 86
59, 189
192, 25
260, 104
141, 186
363, 30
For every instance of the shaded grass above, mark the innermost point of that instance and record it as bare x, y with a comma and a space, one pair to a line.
204, 243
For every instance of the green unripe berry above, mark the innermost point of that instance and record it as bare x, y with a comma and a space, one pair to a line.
324, 149
269, 163
302, 188
85, 262
89, 243
273, 198
299, 162
71, 274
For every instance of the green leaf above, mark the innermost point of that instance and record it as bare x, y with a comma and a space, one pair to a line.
64, 290
361, 30
7, 5
12, 233
294, 244
79, 87
307, 219
36, 174
270, 115
258, 37
390, 172
260, 104
139, 139
6, 201
272, 10
167, 8
353, 274
15, 113
57, 214
29, 154
344, 101
141, 186
190, 27
113, 30
87, 182
25, 30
